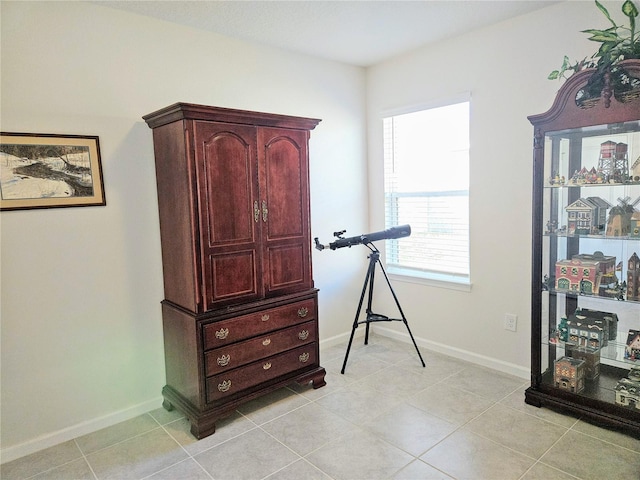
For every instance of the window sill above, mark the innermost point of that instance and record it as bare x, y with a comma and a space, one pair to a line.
431, 279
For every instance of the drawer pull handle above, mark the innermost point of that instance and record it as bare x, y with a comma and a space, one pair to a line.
266, 366
224, 386
222, 333
266, 341
224, 360
304, 357
303, 335
265, 317
302, 312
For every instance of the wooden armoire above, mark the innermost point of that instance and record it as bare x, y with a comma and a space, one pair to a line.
240, 313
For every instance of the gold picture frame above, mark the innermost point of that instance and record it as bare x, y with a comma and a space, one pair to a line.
49, 170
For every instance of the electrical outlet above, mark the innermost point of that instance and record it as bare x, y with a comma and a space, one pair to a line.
510, 322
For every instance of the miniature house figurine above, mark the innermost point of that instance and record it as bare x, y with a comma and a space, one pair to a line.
584, 176
586, 332
568, 374
628, 393
607, 271
632, 350
587, 216
609, 320
586, 273
577, 276
591, 360
633, 278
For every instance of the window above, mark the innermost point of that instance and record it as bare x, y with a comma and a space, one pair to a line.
426, 173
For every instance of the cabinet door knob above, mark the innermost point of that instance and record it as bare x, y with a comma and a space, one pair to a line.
265, 211
304, 357
302, 312
256, 211
224, 386
224, 360
222, 333
303, 335
265, 317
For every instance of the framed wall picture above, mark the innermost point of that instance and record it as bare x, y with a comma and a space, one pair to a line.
47, 170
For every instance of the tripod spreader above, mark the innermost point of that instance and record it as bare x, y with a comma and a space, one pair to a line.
374, 259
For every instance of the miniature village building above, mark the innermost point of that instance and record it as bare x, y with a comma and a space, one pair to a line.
568, 374
606, 263
587, 215
632, 350
608, 320
586, 332
633, 278
577, 276
591, 360
619, 222
585, 273
628, 393
608, 280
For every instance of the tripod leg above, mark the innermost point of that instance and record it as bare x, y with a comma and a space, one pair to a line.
404, 319
355, 320
372, 275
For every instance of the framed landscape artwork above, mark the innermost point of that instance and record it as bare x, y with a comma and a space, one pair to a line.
46, 170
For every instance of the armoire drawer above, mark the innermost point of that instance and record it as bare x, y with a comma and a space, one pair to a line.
233, 381
217, 334
241, 353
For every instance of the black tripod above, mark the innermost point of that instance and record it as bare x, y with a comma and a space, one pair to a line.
374, 259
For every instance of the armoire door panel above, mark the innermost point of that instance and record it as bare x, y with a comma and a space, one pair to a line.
284, 182
230, 231
287, 266
227, 282
229, 177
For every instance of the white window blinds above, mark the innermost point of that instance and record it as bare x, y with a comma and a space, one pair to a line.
426, 171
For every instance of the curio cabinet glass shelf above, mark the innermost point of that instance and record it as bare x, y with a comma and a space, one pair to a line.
585, 349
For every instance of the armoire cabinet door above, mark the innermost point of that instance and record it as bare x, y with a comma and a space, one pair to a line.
229, 211
284, 201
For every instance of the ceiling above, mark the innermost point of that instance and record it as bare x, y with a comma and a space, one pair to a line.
360, 33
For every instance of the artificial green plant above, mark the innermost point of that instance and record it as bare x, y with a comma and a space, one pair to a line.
617, 43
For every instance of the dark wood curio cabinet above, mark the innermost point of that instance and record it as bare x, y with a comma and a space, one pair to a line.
585, 349
240, 314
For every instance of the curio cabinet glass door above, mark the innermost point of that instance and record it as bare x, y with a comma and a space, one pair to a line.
585, 348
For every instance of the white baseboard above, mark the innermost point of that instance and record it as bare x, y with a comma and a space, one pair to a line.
340, 339
54, 438
489, 362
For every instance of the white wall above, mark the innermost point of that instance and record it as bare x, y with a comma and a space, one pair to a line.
505, 69
82, 341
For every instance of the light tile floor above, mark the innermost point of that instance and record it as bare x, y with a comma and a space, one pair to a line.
386, 418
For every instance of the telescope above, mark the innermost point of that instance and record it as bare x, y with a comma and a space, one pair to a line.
388, 234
